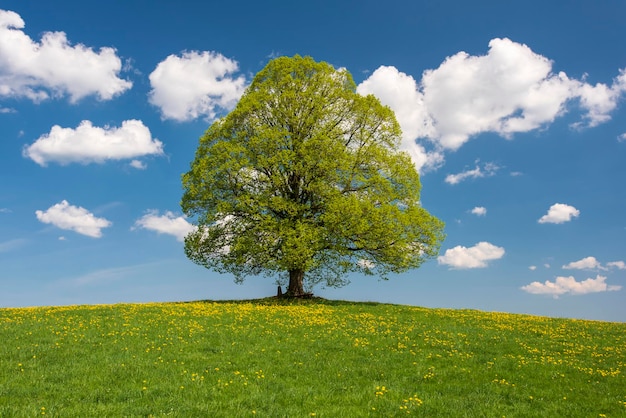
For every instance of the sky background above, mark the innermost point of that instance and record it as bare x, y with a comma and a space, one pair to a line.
513, 113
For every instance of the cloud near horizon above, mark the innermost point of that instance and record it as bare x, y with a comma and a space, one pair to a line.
54, 67
478, 256
590, 263
510, 89
569, 285
73, 218
91, 144
168, 223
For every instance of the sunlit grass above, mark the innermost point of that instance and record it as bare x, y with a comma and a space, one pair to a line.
305, 358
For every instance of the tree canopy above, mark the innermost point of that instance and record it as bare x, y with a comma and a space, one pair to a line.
304, 178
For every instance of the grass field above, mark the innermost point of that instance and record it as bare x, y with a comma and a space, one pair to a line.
271, 358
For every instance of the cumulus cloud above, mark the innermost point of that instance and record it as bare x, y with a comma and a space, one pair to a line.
401, 93
488, 170
168, 223
54, 67
621, 138
532, 268
195, 84
587, 263
599, 100
569, 285
91, 144
590, 263
139, 165
508, 90
479, 211
477, 256
559, 213
620, 265
73, 218
511, 89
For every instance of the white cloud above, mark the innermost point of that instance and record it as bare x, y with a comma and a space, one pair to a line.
73, 218
139, 165
400, 92
559, 213
91, 144
168, 223
590, 263
546, 265
7, 110
54, 67
479, 211
195, 84
488, 170
622, 138
5, 210
477, 256
587, 263
510, 89
620, 265
533, 268
569, 285
600, 100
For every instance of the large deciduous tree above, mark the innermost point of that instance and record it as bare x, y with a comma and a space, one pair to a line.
304, 179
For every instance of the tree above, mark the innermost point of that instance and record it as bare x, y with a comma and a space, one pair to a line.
304, 178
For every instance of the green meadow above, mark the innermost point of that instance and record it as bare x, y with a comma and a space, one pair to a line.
280, 358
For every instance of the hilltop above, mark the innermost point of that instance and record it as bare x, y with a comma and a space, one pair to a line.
309, 357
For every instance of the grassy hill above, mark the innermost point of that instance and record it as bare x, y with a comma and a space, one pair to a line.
270, 358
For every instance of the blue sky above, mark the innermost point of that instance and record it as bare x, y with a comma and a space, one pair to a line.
513, 113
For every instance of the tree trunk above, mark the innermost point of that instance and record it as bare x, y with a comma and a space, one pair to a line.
295, 283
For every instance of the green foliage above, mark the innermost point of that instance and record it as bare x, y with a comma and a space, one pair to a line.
274, 358
304, 175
